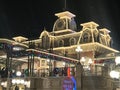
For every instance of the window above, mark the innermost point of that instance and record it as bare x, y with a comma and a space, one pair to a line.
45, 42
43, 63
72, 41
61, 43
87, 37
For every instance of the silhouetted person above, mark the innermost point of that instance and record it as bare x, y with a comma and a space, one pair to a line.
65, 71
4, 72
16, 87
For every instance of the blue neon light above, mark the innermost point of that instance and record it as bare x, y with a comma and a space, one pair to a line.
74, 81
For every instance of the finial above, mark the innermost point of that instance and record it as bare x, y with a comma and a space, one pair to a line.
65, 6
44, 29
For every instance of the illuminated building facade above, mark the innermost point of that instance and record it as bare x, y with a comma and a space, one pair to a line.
58, 48
63, 41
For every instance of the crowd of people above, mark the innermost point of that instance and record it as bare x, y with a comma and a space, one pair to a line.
4, 72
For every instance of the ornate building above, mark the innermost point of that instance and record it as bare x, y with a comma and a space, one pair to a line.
64, 46
63, 41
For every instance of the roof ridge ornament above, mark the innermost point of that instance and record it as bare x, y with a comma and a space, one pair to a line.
65, 14
65, 5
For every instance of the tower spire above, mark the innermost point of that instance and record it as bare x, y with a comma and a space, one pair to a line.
65, 5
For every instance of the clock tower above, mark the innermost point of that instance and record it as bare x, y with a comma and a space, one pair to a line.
65, 23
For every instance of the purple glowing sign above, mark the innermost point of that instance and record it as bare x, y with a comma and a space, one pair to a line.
68, 84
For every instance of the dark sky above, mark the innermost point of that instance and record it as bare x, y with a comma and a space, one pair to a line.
29, 17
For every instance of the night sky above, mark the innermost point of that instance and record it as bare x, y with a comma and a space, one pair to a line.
28, 18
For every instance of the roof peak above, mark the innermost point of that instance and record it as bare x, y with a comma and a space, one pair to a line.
65, 14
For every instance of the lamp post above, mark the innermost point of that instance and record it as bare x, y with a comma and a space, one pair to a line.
4, 85
79, 49
115, 73
82, 61
80, 72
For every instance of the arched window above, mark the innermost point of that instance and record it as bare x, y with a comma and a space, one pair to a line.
87, 37
96, 38
72, 41
102, 39
45, 42
61, 43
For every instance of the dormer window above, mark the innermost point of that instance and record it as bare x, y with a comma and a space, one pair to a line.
87, 37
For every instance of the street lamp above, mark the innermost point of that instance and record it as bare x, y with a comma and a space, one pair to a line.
18, 73
79, 49
82, 60
18, 80
21, 81
115, 73
4, 84
117, 60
